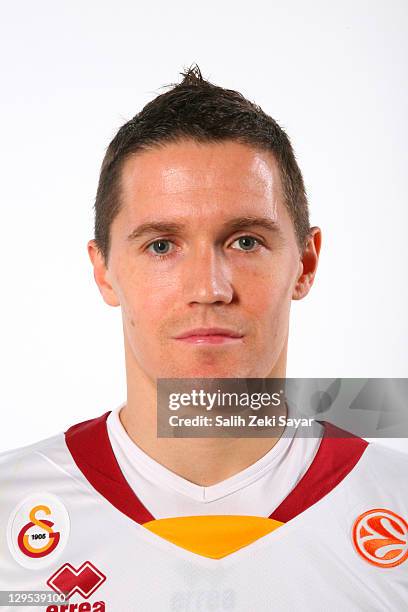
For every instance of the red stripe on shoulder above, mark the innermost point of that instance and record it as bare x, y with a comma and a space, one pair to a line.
338, 453
89, 445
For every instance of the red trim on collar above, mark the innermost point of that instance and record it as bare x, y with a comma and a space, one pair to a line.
89, 445
338, 453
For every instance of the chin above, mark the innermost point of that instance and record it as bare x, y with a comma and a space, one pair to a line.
215, 371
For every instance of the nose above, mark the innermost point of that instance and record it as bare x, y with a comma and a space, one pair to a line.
207, 277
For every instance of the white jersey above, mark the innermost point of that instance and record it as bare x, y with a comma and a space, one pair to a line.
70, 522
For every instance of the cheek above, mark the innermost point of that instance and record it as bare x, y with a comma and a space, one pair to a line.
144, 297
269, 289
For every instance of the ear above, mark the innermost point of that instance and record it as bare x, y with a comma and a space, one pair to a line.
308, 264
101, 274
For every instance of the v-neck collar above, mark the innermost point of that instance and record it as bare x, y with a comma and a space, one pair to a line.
133, 461
90, 447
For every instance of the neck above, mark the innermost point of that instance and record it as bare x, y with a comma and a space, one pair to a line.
203, 461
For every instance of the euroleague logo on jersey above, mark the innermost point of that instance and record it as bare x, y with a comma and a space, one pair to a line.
38, 530
45, 535
381, 537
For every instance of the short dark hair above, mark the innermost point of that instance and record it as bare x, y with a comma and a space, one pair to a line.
198, 110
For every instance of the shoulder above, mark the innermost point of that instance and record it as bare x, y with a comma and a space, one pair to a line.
48, 465
31, 471
385, 461
380, 478
31, 466
27, 453
51, 446
390, 457
361, 460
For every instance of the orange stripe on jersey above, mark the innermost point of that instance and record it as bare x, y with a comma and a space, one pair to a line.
213, 536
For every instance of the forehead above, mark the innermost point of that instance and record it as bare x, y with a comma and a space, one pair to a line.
206, 179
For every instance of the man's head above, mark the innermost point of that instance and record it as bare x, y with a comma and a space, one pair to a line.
202, 222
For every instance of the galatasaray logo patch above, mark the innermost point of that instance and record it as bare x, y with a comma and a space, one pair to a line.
38, 530
381, 537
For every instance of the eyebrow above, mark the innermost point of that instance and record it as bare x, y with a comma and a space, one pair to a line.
165, 227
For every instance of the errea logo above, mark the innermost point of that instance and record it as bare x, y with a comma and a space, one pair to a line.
69, 580
84, 581
85, 606
380, 537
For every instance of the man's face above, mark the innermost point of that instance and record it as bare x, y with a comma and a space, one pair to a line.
203, 262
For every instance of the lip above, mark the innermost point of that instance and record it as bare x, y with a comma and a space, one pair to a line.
210, 335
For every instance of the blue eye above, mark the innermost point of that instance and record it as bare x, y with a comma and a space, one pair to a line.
160, 247
246, 243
